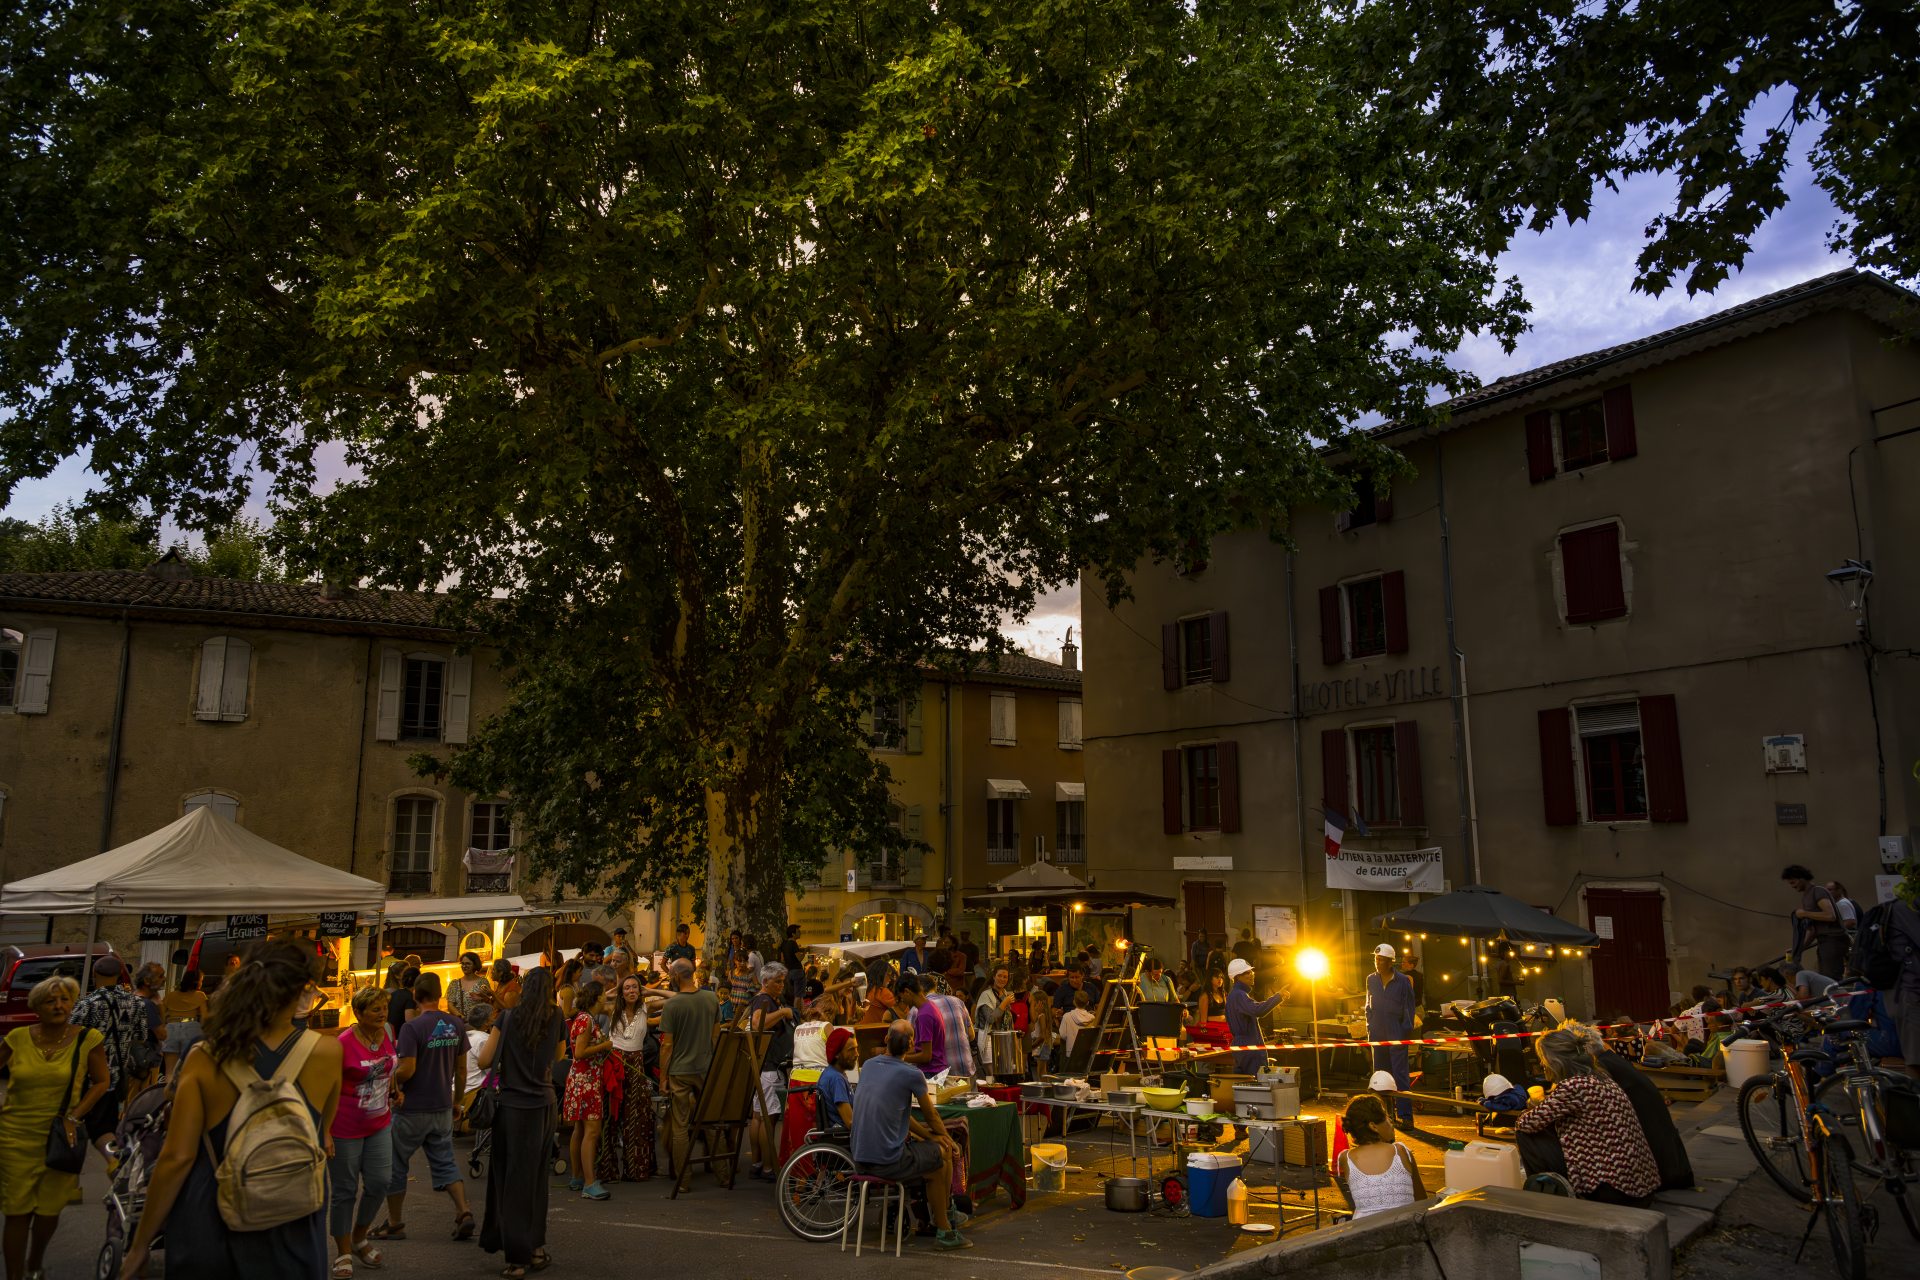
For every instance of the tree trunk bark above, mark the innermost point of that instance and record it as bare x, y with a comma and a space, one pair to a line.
746, 877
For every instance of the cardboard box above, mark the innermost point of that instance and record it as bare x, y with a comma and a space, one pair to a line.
1118, 1080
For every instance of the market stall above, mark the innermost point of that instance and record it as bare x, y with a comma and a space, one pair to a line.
1042, 902
497, 913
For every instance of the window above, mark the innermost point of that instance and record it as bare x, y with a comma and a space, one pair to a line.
1070, 737
26, 671
1366, 617
1369, 507
1196, 651
10, 642
421, 698
1613, 763
226, 665
1203, 788
1376, 775
1002, 726
1003, 831
492, 829
889, 723
1583, 435
1070, 831
887, 869
220, 802
1590, 569
413, 940
411, 861
1193, 651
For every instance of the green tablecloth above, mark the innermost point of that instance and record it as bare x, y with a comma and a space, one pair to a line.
996, 1156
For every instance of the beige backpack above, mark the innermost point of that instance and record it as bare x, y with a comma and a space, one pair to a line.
275, 1170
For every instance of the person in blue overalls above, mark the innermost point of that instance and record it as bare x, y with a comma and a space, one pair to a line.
1244, 1014
1390, 1017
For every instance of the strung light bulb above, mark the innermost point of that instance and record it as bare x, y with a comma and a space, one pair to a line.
1529, 948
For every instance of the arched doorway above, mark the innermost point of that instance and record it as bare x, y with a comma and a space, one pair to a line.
561, 936
886, 920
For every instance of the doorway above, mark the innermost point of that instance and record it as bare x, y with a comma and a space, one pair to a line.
1206, 914
1630, 970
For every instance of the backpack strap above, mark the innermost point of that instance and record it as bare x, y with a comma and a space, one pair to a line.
241, 1076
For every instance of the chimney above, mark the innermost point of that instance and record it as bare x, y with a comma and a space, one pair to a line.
1070, 652
170, 567
334, 589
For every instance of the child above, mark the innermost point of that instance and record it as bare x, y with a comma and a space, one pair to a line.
1502, 1098
1376, 1173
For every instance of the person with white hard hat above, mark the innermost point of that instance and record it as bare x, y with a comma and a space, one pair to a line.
1244, 1014
1390, 1017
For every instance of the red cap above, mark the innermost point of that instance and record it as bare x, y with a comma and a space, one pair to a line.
835, 1038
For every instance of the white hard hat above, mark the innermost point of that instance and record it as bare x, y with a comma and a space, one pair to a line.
1494, 1084
1384, 949
1237, 967
1383, 1082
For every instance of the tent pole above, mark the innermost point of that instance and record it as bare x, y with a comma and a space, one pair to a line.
93, 935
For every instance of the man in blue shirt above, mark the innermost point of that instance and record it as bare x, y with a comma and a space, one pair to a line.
1244, 1014
1390, 1017
832, 1095
680, 948
914, 958
889, 1143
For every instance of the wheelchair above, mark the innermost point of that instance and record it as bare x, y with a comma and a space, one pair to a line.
815, 1181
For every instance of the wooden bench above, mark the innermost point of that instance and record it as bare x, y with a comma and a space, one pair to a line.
1686, 1084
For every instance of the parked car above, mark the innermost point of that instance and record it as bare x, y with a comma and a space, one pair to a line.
25, 966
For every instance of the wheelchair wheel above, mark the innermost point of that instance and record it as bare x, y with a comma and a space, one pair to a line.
1549, 1184
812, 1190
475, 1169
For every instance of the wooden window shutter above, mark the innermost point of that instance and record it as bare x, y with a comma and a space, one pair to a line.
1660, 741
235, 672
1406, 757
459, 697
1332, 651
1170, 655
1229, 786
36, 673
1617, 408
1556, 767
1170, 816
213, 674
386, 726
864, 721
1590, 567
1539, 446
1217, 634
1393, 589
913, 860
1333, 771
916, 733
1383, 507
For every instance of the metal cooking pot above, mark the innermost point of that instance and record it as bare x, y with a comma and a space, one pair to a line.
1129, 1195
1008, 1053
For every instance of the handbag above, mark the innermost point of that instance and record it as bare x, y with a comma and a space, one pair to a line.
485, 1106
64, 1156
144, 1058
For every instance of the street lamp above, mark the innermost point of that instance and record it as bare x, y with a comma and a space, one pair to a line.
1852, 580
1312, 964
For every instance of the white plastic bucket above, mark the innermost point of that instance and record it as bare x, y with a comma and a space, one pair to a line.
1745, 1060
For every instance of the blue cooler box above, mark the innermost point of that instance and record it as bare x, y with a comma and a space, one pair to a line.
1208, 1177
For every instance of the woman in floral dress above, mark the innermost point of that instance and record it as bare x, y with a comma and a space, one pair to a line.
583, 1107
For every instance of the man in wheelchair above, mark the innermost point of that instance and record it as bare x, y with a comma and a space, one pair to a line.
890, 1142
832, 1095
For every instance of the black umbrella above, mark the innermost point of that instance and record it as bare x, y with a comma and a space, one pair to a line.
1479, 912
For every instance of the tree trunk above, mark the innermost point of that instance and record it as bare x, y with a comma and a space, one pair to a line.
746, 879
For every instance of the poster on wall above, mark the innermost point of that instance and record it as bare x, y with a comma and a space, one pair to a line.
1276, 926
1404, 871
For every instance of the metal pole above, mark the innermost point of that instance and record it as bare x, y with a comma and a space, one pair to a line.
93, 935
1313, 998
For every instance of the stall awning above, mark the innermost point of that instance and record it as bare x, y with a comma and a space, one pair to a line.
1007, 789
1069, 791
478, 906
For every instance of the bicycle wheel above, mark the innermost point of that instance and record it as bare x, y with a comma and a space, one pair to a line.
1880, 1165
812, 1190
1846, 1227
1771, 1122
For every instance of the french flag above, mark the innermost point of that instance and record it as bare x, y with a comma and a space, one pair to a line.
1337, 828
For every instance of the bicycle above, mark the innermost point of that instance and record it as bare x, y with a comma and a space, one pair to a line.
1882, 1108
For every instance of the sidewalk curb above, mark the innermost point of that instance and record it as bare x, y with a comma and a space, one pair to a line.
1721, 1162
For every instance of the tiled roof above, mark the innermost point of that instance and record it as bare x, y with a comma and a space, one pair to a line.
273, 603
987, 667
1515, 385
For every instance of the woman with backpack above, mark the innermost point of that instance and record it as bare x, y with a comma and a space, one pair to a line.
207, 1175
361, 1152
522, 1047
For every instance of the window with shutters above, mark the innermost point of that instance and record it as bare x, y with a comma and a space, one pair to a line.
1003, 831
1001, 726
10, 643
410, 845
490, 831
889, 722
1202, 774
1376, 775
422, 699
226, 669
1592, 576
888, 867
1364, 606
1070, 739
1070, 831
1196, 650
1582, 435
1613, 761
227, 806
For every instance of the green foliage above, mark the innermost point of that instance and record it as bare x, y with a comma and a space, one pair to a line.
1549, 97
730, 358
71, 539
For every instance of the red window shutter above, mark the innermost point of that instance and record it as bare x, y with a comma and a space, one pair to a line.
1331, 650
1217, 632
1556, 767
1170, 817
1170, 655
1406, 760
1229, 786
1383, 507
1333, 771
1590, 566
1540, 446
1660, 741
1393, 589
1617, 407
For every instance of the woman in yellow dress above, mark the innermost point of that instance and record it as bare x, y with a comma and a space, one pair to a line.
42, 1059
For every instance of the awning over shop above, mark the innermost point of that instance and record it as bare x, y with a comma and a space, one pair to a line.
1042, 884
1479, 912
1007, 789
479, 906
1069, 791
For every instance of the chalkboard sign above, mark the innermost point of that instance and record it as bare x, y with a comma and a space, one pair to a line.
162, 928
337, 924
246, 928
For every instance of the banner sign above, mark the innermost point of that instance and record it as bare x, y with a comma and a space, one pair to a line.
162, 928
337, 924
246, 928
1413, 871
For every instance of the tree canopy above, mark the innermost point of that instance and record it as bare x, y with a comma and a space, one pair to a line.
749, 353
68, 539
